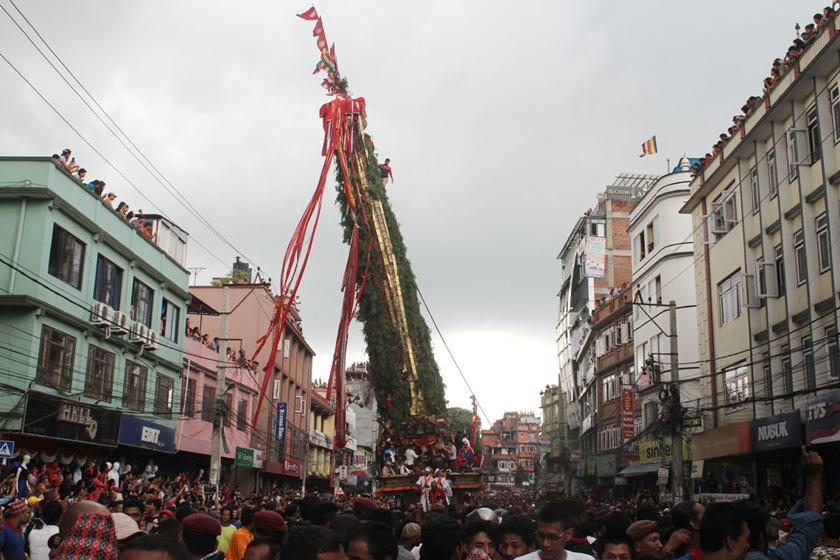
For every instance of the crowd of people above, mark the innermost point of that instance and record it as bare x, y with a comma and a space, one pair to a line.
105, 515
213, 344
780, 67
68, 161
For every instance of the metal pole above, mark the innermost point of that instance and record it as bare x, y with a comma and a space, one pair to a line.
677, 439
219, 410
305, 443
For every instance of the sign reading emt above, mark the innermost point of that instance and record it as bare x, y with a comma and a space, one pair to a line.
138, 432
280, 421
776, 432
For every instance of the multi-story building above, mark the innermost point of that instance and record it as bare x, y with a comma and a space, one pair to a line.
596, 258
766, 213
552, 476
290, 385
320, 467
359, 455
91, 321
662, 253
510, 450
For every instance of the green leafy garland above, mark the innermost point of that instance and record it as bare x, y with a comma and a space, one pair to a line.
383, 343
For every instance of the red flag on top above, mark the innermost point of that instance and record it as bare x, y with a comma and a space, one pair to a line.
319, 28
309, 14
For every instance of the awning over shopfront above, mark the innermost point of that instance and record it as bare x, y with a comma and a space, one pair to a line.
638, 470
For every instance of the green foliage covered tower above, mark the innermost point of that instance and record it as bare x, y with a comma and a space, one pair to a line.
388, 361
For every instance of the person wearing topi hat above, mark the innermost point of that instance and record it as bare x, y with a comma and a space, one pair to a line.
15, 515
270, 524
200, 533
645, 535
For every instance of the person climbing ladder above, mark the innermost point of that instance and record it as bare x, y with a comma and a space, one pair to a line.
385, 171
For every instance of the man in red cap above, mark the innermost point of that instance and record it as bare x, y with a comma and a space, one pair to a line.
270, 524
15, 515
646, 540
200, 534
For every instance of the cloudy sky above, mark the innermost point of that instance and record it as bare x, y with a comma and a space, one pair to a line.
502, 121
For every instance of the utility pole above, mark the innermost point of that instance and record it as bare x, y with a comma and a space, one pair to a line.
219, 411
677, 435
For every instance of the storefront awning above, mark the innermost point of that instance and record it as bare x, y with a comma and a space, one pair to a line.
638, 470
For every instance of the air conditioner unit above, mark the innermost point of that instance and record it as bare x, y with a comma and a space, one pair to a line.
152, 338
137, 332
101, 315
121, 322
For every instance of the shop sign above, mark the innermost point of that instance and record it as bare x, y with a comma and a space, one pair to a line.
595, 257
244, 458
321, 439
291, 467
606, 465
280, 421
733, 439
627, 420
138, 432
258, 459
53, 417
620, 481
697, 468
776, 432
822, 418
651, 451
625, 193
709, 498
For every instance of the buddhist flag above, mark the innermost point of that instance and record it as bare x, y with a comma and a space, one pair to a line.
649, 147
309, 14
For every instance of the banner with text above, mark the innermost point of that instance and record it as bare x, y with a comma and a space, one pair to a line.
595, 257
627, 419
280, 421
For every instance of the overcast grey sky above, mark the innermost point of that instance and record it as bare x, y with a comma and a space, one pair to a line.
502, 121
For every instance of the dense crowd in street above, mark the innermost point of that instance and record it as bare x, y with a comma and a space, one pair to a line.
55, 512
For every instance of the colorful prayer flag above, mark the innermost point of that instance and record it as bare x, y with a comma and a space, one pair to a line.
649, 147
309, 14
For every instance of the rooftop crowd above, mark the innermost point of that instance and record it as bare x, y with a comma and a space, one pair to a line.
68, 162
98, 513
779, 68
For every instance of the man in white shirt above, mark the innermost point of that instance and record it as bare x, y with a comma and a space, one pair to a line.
410, 456
50, 512
554, 528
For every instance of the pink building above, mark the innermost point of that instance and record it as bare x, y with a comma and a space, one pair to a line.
195, 424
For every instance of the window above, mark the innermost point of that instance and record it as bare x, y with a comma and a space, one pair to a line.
164, 393
67, 257
228, 408
814, 140
208, 399
725, 212
772, 176
100, 374
793, 154
787, 370
780, 270
801, 261
608, 438
108, 283
823, 242
756, 193
241, 415
134, 392
287, 353
610, 387
730, 298
834, 95
655, 290
767, 370
651, 411
170, 316
188, 387
640, 247
652, 235
737, 388
808, 362
643, 298
55, 361
141, 303
833, 350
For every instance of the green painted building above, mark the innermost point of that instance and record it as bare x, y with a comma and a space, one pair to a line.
92, 319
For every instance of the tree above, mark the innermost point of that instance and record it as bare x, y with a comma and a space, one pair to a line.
236, 276
460, 420
521, 474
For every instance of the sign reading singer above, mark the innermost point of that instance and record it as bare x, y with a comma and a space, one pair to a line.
280, 423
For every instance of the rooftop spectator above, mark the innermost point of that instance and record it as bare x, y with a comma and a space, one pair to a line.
109, 199
80, 174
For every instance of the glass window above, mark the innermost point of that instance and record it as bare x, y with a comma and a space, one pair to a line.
134, 391
241, 415
780, 269
814, 140
834, 95
208, 398
169, 320
787, 370
767, 370
725, 211
730, 298
737, 388
55, 361
99, 381
108, 283
141, 303
164, 393
808, 362
823, 242
771, 173
833, 349
67, 256
801, 261
756, 193
188, 387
